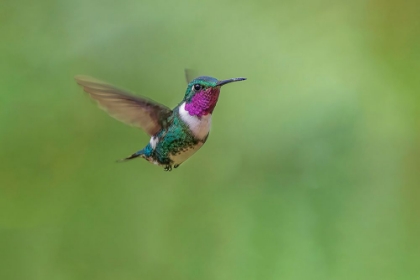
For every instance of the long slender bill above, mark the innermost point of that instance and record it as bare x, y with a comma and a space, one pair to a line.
224, 82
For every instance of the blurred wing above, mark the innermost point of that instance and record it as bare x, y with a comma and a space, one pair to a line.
190, 75
134, 110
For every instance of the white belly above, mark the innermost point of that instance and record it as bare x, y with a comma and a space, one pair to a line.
183, 156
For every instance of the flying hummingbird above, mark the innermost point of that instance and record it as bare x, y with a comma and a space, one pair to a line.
175, 134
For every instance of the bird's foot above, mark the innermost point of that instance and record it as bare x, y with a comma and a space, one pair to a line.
168, 168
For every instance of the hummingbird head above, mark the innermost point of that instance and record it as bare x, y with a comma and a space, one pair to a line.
202, 94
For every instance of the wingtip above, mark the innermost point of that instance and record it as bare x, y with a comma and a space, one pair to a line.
84, 78
81, 79
90, 82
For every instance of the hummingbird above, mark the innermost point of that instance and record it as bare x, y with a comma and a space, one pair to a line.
175, 134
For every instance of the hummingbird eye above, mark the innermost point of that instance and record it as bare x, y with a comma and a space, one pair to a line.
197, 87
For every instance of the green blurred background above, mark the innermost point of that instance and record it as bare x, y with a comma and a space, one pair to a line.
311, 170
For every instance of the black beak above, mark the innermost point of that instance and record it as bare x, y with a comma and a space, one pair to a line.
224, 82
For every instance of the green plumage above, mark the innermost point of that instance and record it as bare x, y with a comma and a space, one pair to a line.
175, 134
172, 142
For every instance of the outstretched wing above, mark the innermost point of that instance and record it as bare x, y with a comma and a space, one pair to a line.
134, 110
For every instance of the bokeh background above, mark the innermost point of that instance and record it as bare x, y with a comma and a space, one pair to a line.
311, 170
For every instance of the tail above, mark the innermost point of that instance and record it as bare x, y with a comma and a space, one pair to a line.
136, 154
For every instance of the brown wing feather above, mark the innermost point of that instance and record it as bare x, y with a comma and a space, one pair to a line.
134, 110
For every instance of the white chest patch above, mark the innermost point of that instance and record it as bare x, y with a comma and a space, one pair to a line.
200, 126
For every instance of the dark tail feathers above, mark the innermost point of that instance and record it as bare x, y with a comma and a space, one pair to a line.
136, 154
